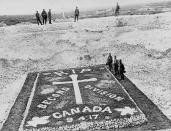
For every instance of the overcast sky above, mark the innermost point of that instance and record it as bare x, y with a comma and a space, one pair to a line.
12, 7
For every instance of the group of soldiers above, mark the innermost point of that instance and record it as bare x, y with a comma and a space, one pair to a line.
44, 15
48, 15
116, 65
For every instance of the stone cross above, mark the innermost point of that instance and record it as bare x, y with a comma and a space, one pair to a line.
75, 83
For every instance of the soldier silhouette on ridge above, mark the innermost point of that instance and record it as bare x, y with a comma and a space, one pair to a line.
44, 16
77, 12
38, 18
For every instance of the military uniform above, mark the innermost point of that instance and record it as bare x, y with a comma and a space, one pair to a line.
38, 18
44, 16
109, 62
76, 14
115, 66
121, 70
117, 10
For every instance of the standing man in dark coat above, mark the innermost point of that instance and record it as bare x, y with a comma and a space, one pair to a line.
110, 61
115, 65
44, 16
50, 16
38, 18
121, 69
77, 12
117, 10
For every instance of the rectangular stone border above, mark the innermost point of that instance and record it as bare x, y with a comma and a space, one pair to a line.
98, 125
156, 120
114, 125
125, 90
29, 103
15, 116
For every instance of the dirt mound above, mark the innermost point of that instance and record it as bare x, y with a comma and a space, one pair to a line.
4, 62
2, 24
167, 53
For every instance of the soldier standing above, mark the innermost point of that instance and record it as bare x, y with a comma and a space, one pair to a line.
121, 69
76, 14
110, 61
115, 65
44, 16
38, 18
117, 9
50, 16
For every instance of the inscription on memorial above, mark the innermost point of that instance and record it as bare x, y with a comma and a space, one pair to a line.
80, 99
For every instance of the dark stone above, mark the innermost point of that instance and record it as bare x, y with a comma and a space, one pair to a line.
87, 57
81, 58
